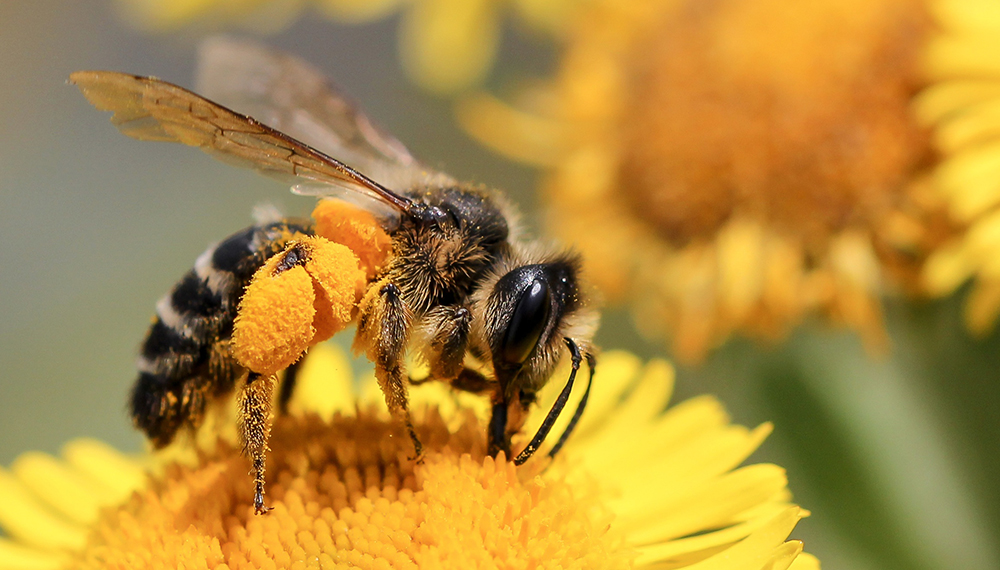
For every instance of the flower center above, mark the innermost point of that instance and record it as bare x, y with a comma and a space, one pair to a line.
792, 112
345, 492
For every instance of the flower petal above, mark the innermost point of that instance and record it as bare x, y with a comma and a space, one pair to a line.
14, 556
115, 471
606, 453
325, 384
709, 542
23, 517
658, 512
758, 549
67, 492
449, 44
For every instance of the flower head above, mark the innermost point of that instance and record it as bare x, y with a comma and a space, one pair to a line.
960, 107
634, 488
732, 167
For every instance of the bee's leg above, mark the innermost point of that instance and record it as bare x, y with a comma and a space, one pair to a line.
287, 389
383, 329
497, 430
255, 428
446, 349
469, 380
223, 369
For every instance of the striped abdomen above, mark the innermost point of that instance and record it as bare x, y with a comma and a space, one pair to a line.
185, 358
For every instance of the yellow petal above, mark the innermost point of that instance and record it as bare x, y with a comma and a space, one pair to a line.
946, 269
965, 56
357, 11
24, 518
657, 511
106, 465
552, 16
946, 98
966, 15
757, 549
710, 541
648, 399
616, 370
516, 134
970, 180
707, 455
977, 124
67, 492
805, 561
740, 247
14, 556
681, 421
448, 45
784, 556
325, 384
982, 307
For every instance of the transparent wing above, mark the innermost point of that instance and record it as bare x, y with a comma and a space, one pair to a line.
147, 108
295, 98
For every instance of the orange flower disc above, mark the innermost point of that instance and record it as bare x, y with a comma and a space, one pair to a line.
346, 496
798, 113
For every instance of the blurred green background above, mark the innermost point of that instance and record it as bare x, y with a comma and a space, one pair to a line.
897, 457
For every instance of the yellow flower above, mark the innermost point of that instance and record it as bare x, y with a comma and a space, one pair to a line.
961, 106
735, 166
445, 45
634, 487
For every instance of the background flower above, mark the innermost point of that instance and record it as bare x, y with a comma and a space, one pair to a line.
445, 45
764, 154
739, 168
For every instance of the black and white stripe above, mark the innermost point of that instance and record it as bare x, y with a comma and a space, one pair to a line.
185, 359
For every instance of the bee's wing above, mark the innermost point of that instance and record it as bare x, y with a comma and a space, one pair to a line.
295, 98
147, 108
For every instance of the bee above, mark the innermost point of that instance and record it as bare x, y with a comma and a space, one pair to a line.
462, 283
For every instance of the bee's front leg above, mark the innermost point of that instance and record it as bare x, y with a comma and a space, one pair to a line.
383, 332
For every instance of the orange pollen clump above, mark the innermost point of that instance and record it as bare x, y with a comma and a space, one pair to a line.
358, 229
345, 495
290, 306
792, 112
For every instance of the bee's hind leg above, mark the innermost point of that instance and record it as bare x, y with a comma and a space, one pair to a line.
287, 389
255, 429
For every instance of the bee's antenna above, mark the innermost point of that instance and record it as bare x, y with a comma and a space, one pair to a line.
591, 364
557, 408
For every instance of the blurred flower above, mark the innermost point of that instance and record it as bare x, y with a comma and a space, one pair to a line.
962, 106
634, 488
735, 166
445, 45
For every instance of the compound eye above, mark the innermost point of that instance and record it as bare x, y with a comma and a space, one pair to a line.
527, 322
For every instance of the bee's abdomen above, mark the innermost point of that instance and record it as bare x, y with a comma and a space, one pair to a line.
180, 366
185, 359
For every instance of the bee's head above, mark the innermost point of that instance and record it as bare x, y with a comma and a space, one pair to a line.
530, 313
